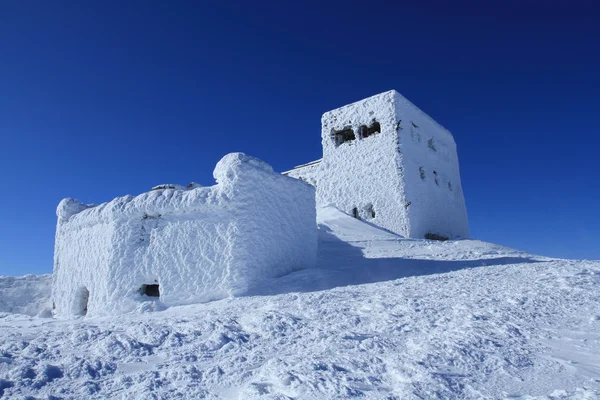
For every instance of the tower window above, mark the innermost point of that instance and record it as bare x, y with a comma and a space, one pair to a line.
345, 135
366, 131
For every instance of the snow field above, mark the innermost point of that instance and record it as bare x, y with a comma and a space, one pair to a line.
452, 320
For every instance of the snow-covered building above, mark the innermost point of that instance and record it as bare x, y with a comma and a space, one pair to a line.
183, 245
387, 162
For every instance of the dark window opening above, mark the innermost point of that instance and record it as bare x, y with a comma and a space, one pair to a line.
371, 130
355, 213
150, 290
345, 135
435, 236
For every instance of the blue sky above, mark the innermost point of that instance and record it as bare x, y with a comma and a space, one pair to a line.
103, 99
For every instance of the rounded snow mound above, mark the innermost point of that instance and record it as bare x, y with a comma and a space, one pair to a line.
231, 166
69, 207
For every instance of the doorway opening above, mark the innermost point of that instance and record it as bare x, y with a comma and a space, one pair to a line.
82, 297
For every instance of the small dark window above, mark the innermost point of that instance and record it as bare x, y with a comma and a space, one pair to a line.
355, 213
371, 130
345, 135
150, 290
371, 210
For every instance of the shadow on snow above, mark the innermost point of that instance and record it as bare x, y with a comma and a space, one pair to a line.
342, 264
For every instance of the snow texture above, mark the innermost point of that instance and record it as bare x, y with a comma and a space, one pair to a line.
197, 243
404, 178
27, 295
381, 317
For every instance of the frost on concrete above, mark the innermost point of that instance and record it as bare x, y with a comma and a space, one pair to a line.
387, 162
196, 244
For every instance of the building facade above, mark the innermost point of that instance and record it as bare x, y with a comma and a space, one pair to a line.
387, 162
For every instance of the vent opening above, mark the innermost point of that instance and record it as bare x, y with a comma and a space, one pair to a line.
150, 290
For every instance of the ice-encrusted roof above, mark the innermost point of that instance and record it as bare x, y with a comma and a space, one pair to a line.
169, 198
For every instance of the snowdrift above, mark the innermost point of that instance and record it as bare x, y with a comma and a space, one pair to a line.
28, 295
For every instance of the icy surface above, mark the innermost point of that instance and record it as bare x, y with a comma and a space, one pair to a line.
198, 243
421, 320
404, 178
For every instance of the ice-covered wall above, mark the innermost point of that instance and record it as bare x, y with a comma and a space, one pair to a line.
431, 174
197, 244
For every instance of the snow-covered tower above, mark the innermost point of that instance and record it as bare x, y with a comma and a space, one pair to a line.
387, 162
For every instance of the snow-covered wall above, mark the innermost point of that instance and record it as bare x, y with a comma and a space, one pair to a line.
198, 244
431, 174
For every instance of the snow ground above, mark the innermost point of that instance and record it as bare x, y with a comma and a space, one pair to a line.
420, 320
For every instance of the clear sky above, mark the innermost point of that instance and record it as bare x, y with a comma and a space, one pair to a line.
102, 99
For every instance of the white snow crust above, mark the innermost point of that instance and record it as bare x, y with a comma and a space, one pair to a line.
381, 317
27, 295
405, 178
198, 243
